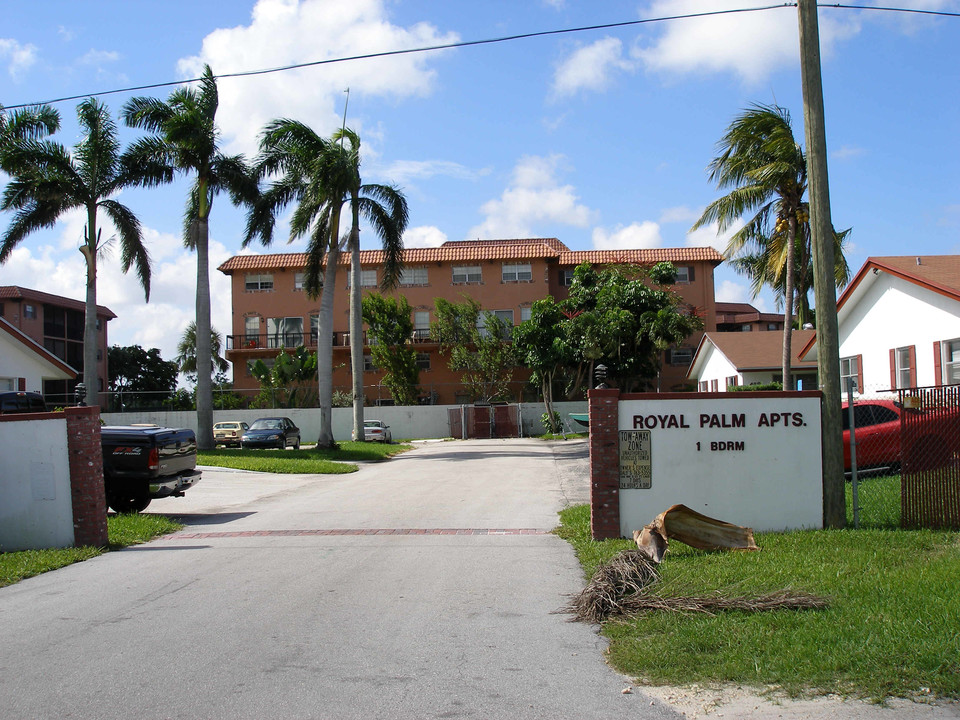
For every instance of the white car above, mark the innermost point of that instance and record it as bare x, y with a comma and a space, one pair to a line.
228, 433
376, 431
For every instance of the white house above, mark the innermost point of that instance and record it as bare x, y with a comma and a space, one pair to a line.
25, 364
728, 359
899, 324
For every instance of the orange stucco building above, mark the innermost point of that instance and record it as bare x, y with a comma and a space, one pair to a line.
271, 310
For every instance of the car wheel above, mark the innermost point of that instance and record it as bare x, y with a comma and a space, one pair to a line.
296, 444
131, 502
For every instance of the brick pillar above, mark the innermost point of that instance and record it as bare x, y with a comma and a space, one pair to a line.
86, 476
604, 464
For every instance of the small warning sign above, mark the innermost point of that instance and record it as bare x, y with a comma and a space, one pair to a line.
635, 463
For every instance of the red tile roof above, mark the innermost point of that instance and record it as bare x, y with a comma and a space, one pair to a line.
15, 292
479, 250
759, 350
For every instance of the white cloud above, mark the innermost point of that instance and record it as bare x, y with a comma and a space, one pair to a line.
533, 199
406, 170
99, 57
424, 236
288, 32
590, 67
679, 214
729, 291
749, 44
846, 152
18, 57
643, 235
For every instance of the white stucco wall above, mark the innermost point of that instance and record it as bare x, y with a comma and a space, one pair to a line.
16, 361
36, 509
716, 367
755, 461
894, 313
405, 421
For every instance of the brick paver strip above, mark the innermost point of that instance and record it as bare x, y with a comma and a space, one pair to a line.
356, 531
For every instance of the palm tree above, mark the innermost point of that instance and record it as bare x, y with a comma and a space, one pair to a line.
186, 358
316, 175
48, 181
26, 124
385, 208
184, 141
767, 171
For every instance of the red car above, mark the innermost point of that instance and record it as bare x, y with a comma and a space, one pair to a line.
928, 439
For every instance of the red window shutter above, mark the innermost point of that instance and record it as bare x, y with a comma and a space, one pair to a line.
937, 364
21, 384
860, 373
913, 365
893, 368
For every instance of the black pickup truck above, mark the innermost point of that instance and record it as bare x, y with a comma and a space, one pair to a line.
144, 462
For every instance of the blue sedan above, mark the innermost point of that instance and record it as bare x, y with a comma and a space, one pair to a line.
274, 432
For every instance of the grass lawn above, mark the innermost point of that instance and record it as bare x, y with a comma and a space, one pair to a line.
306, 461
122, 530
891, 628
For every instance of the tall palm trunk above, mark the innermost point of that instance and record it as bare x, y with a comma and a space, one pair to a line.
325, 347
91, 379
204, 361
788, 293
356, 329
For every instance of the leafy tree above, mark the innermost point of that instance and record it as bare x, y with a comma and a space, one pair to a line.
766, 170
315, 175
48, 181
140, 378
289, 382
478, 344
184, 140
542, 345
385, 209
187, 351
391, 328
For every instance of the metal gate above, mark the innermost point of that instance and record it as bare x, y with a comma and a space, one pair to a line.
484, 421
930, 457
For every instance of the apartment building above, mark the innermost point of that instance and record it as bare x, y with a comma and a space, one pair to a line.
56, 323
744, 317
271, 309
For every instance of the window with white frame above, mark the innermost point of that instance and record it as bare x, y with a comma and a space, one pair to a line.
284, 332
29, 311
526, 313
368, 278
950, 361
566, 278
298, 280
903, 370
421, 325
850, 373
414, 276
681, 356
684, 274
467, 274
258, 283
516, 272
732, 381
505, 316
251, 330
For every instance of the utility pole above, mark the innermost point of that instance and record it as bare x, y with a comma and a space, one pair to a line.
825, 292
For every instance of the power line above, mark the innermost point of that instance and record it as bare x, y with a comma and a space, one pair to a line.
471, 43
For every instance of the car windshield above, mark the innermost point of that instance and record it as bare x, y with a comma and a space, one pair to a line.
372, 424
266, 425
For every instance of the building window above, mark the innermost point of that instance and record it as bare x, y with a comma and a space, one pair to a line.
421, 325
414, 276
714, 385
702, 386
258, 283
368, 365
29, 311
516, 272
681, 356
850, 373
298, 280
526, 313
732, 381
505, 316
746, 327
368, 278
904, 366
950, 361
467, 274
284, 332
772, 326
423, 361
566, 278
684, 274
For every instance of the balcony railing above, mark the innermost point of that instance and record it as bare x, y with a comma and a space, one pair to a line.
275, 341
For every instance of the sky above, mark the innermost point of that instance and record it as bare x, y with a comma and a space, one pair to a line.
600, 138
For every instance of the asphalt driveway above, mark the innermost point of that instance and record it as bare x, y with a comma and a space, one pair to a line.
424, 587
